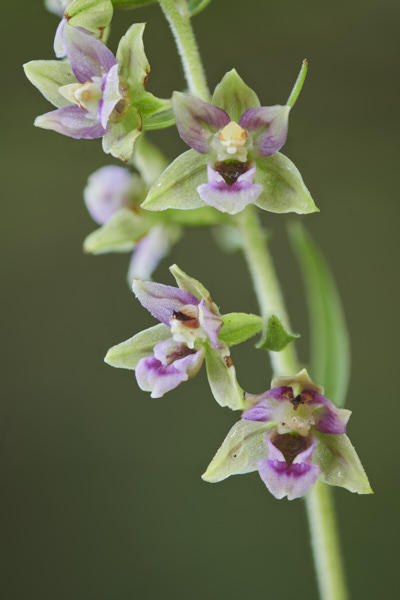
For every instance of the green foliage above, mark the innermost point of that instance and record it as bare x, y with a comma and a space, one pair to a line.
330, 346
119, 234
239, 327
275, 337
93, 15
194, 6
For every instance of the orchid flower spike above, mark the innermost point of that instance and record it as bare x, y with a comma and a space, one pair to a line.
293, 436
168, 354
235, 158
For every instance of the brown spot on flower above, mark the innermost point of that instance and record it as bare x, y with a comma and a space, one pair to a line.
290, 444
306, 396
231, 170
228, 361
188, 318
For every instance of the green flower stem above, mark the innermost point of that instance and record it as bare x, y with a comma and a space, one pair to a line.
266, 285
320, 509
176, 13
325, 543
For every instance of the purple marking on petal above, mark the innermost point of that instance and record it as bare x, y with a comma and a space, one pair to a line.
111, 95
210, 323
197, 121
88, 57
158, 377
269, 127
72, 121
149, 251
108, 189
265, 404
292, 480
328, 418
59, 45
161, 300
229, 198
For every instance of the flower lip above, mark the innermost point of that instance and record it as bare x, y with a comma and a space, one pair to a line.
290, 444
231, 170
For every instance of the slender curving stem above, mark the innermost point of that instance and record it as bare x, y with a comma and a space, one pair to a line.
320, 510
177, 15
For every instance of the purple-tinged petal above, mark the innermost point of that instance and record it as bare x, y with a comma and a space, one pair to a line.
264, 406
111, 95
71, 121
149, 251
283, 479
108, 189
60, 49
268, 125
159, 377
197, 121
161, 300
229, 198
88, 57
210, 323
328, 418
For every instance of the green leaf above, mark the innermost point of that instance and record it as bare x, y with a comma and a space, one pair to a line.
283, 188
222, 378
339, 463
177, 186
239, 327
120, 138
119, 234
48, 76
240, 452
234, 96
160, 120
133, 64
189, 284
330, 345
127, 354
93, 15
275, 337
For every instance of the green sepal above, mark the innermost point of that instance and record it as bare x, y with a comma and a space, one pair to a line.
299, 381
234, 96
194, 6
149, 105
120, 139
177, 186
189, 284
120, 234
339, 463
93, 15
160, 120
240, 452
275, 337
330, 345
239, 327
283, 187
127, 354
133, 64
221, 375
48, 76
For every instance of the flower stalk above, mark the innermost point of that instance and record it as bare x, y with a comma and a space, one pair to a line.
177, 15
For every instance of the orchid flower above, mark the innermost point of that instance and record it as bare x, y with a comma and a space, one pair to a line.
234, 159
168, 354
96, 94
293, 436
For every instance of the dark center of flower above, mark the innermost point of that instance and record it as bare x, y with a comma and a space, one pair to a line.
296, 401
290, 444
189, 320
231, 170
177, 354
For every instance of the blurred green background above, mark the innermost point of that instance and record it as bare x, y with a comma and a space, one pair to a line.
101, 496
